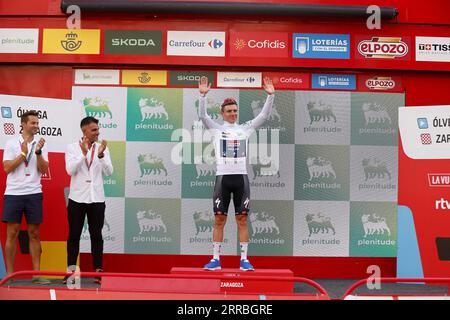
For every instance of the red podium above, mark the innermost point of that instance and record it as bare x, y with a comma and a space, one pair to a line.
234, 280
197, 280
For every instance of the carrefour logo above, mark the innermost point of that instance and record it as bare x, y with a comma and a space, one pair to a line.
239, 79
215, 43
195, 43
382, 47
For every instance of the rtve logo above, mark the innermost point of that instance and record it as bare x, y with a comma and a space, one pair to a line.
442, 204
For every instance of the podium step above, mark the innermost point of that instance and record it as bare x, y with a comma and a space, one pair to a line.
162, 285
232, 281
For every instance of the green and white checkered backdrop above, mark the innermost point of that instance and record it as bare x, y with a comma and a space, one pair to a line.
333, 193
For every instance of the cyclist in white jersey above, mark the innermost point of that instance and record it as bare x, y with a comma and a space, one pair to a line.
231, 146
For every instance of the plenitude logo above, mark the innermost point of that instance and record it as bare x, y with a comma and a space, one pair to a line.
19, 40
252, 44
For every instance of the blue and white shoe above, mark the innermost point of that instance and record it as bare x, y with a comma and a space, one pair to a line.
246, 266
214, 264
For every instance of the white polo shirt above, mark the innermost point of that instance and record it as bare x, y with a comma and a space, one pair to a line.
86, 185
22, 180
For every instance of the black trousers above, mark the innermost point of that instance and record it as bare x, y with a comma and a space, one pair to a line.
76, 213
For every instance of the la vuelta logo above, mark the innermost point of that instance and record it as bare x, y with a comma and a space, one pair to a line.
383, 47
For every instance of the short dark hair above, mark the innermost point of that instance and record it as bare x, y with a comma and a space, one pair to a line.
24, 116
227, 102
88, 120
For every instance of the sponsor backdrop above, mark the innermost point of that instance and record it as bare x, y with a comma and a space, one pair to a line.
331, 191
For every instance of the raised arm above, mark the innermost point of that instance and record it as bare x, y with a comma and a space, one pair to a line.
74, 160
267, 109
105, 159
203, 88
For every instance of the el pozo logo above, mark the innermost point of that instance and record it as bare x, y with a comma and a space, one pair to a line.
383, 47
380, 83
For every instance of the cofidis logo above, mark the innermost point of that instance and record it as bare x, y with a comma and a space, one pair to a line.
267, 44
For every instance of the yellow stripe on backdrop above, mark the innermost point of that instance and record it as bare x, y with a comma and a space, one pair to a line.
71, 41
54, 257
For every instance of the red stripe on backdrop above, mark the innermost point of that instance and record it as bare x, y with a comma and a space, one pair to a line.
309, 267
434, 12
37, 81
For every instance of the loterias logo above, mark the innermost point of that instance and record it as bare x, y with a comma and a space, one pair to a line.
380, 83
383, 47
133, 42
267, 44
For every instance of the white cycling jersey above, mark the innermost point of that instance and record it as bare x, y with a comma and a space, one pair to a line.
231, 139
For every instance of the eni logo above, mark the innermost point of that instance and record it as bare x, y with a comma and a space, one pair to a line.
71, 43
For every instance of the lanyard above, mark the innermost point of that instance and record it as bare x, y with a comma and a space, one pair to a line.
92, 158
28, 157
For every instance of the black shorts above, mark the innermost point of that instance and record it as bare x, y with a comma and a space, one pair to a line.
236, 184
15, 206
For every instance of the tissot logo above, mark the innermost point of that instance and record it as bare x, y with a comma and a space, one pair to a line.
383, 47
268, 44
433, 49
425, 47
